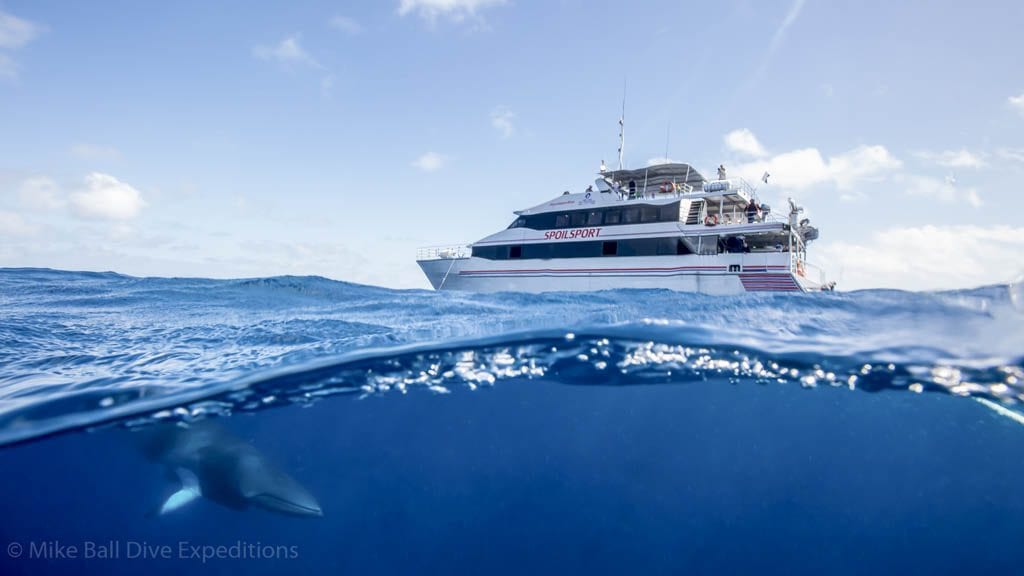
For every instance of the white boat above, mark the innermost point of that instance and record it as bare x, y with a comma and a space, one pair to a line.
664, 226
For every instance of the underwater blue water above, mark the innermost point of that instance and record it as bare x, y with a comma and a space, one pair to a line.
612, 432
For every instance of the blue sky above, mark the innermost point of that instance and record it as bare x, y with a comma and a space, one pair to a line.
239, 139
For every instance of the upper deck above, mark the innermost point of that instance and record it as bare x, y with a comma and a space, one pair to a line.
654, 185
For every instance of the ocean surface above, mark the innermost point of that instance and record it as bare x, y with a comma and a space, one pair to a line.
618, 432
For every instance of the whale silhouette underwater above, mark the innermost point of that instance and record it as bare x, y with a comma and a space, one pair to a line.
209, 462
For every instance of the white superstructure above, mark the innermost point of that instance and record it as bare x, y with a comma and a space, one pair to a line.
664, 226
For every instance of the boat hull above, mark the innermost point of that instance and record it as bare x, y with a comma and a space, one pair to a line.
712, 274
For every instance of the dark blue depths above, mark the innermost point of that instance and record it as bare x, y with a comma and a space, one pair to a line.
543, 477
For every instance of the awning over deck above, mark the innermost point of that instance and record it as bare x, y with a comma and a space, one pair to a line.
657, 175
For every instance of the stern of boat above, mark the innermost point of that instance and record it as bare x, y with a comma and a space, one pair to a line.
778, 275
811, 278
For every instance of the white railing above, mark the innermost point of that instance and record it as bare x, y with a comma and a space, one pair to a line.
679, 190
811, 270
728, 186
746, 187
448, 252
740, 218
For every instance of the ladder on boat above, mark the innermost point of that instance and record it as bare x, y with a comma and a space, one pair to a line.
696, 208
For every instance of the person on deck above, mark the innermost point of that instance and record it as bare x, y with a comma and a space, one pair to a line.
721, 171
752, 211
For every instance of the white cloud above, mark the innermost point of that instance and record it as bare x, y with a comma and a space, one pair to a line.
16, 32
106, 198
943, 190
806, 168
1012, 154
13, 225
345, 24
744, 142
962, 158
502, 120
456, 10
852, 196
41, 193
95, 152
1017, 103
430, 162
861, 163
777, 38
287, 52
927, 257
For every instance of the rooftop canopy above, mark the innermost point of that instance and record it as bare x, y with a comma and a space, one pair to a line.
659, 174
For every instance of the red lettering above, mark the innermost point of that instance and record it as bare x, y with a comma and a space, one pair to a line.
572, 234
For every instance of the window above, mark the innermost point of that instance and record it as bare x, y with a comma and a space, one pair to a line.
708, 244
541, 221
592, 249
666, 246
541, 251
489, 252
629, 248
612, 217
577, 250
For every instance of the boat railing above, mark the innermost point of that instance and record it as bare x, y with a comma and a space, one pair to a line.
678, 190
812, 270
446, 252
728, 186
745, 186
740, 218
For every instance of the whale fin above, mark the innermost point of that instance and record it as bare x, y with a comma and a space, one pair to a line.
188, 492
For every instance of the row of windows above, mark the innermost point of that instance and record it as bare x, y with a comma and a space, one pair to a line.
639, 214
634, 247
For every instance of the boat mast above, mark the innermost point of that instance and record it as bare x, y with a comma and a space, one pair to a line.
622, 125
668, 133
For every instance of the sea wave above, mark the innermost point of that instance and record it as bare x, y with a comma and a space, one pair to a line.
80, 349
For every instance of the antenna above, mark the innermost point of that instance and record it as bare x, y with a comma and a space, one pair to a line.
622, 125
668, 132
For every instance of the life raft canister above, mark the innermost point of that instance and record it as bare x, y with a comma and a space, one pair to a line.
711, 220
